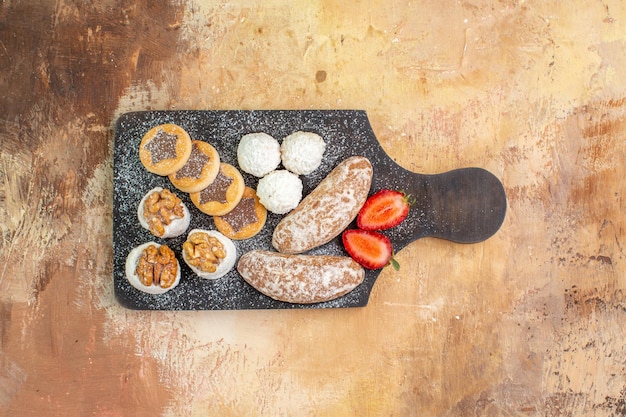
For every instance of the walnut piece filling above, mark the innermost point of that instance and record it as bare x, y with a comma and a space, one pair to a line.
160, 208
203, 251
157, 266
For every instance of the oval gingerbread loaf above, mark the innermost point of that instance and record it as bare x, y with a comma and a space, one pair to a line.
327, 210
300, 279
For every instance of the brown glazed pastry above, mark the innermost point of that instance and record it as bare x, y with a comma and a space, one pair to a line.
223, 194
302, 279
327, 210
199, 171
165, 149
245, 220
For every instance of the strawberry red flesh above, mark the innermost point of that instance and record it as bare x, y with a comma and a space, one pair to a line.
384, 210
370, 249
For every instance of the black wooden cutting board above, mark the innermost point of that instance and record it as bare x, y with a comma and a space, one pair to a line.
466, 205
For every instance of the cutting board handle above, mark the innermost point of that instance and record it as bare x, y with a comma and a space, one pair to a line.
466, 205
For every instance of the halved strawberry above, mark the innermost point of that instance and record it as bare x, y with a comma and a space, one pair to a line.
370, 249
384, 210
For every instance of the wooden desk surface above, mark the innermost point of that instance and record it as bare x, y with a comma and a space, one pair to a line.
528, 323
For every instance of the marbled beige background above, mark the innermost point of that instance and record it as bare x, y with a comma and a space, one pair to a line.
529, 323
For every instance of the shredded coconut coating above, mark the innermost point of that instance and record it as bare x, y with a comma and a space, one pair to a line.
258, 154
327, 210
280, 191
301, 279
302, 152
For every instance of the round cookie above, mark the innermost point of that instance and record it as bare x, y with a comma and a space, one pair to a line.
258, 154
141, 260
164, 149
280, 191
200, 169
163, 213
223, 194
302, 152
245, 220
207, 259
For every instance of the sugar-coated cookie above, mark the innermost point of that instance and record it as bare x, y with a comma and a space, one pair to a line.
301, 152
280, 191
258, 154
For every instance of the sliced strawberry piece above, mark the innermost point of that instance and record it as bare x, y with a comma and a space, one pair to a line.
384, 210
370, 249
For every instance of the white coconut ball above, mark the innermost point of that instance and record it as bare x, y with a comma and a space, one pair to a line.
177, 225
280, 191
131, 265
225, 264
302, 152
258, 154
